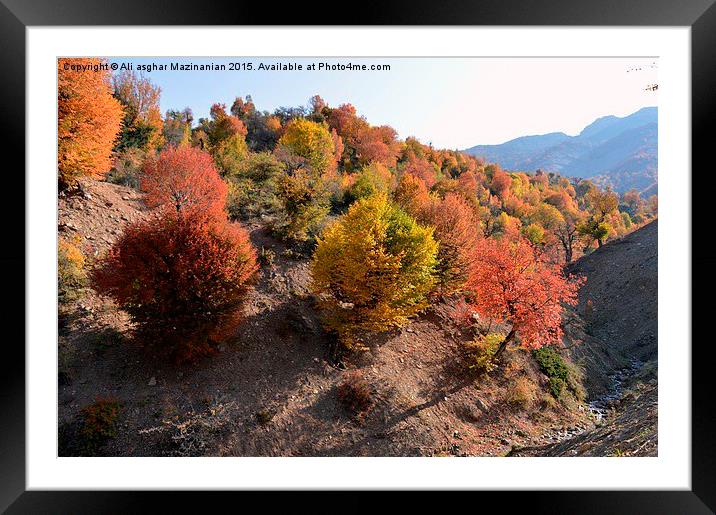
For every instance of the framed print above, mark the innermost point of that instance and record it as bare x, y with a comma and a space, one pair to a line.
444, 253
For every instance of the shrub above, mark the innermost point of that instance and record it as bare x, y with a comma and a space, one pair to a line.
354, 394
267, 256
304, 204
230, 153
127, 167
253, 185
534, 233
521, 393
99, 423
480, 352
181, 280
373, 268
575, 376
71, 274
554, 367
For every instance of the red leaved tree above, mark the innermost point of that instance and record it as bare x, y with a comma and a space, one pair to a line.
509, 284
184, 181
181, 279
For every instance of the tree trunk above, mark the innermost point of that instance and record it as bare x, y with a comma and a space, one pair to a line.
510, 336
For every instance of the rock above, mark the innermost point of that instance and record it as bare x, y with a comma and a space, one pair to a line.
152, 381
481, 405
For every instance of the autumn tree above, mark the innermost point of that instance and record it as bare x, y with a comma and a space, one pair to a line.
509, 284
567, 232
242, 109
373, 269
456, 230
371, 179
177, 127
142, 126
601, 204
182, 280
88, 119
501, 183
184, 181
311, 141
411, 194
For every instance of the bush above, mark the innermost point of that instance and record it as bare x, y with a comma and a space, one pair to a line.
230, 153
267, 256
252, 188
373, 269
554, 367
522, 392
181, 280
304, 202
99, 423
355, 395
71, 274
480, 352
127, 168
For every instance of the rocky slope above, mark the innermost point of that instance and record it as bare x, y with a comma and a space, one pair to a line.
616, 341
272, 390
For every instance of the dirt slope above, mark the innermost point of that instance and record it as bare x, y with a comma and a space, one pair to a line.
616, 340
270, 391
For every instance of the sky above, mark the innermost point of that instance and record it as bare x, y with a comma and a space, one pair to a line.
452, 103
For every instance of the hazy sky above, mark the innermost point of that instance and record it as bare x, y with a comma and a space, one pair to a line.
451, 102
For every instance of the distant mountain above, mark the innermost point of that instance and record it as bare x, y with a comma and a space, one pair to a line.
619, 152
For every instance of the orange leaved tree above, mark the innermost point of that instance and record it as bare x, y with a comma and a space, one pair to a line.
509, 284
88, 119
182, 280
184, 180
458, 231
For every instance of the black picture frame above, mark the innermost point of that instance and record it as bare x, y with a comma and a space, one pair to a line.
17, 15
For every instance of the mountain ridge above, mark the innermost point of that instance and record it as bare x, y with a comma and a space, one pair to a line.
620, 152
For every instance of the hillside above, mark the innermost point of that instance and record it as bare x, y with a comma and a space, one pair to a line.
616, 340
271, 390
619, 152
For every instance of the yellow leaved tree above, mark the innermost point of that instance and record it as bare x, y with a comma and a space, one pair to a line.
373, 269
